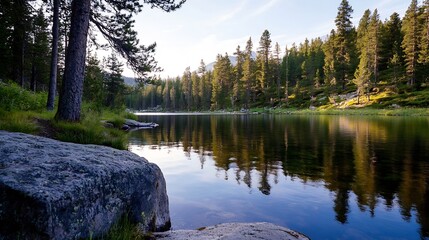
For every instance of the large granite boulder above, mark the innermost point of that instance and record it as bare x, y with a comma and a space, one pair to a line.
56, 190
234, 231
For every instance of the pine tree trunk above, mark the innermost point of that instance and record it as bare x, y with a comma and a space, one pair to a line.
54, 58
72, 86
33, 77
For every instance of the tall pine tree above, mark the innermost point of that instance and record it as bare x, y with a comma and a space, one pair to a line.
423, 58
410, 42
264, 51
344, 42
114, 83
391, 52
248, 73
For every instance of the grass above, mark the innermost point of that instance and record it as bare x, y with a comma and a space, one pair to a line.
24, 111
18, 122
84, 133
123, 229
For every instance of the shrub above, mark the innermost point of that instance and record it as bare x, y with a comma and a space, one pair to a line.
14, 98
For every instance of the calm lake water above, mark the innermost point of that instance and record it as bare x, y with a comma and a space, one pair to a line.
329, 177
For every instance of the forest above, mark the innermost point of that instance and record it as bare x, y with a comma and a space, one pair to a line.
378, 59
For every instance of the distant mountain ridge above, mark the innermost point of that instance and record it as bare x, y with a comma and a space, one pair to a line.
129, 81
232, 59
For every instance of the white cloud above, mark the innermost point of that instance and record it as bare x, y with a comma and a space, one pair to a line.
230, 14
267, 6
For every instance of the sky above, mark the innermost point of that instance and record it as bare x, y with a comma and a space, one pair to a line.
202, 29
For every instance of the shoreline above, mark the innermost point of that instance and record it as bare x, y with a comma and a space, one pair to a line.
412, 112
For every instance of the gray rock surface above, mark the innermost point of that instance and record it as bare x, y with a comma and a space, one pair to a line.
234, 231
56, 190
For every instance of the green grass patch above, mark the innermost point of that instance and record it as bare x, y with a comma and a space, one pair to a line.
90, 131
24, 111
18, 122
124, 229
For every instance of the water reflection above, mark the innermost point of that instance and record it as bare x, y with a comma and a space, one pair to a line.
383, 162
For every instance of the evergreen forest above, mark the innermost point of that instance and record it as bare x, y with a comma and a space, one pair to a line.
379, 63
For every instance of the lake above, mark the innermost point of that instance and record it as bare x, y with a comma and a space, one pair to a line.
329, 177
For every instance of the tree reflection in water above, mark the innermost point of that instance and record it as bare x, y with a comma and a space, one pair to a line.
382, 161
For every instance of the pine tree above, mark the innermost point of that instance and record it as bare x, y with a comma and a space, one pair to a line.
344, 43
276, 68
196, 100
285, 66
264, 51
391, 53
221, 94
238, 75
187, 87
294, 65
114, 83
173, 98
205, 86
54, 56
330, 51
363, 72
373, 44
6, 29
423, 59
166, 95
318, 59
362, 31
39, 50
410, 42
20, 19
93, 83
248, 73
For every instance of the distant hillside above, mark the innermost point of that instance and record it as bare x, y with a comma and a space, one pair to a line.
130, 81
232, 59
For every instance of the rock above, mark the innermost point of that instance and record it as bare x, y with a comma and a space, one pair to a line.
56, 190
234, 231
137, 124
396, 106
125, 127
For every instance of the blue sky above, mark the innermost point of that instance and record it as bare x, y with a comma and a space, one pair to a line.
203, 28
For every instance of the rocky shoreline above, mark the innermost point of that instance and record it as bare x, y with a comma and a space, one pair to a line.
234, 231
